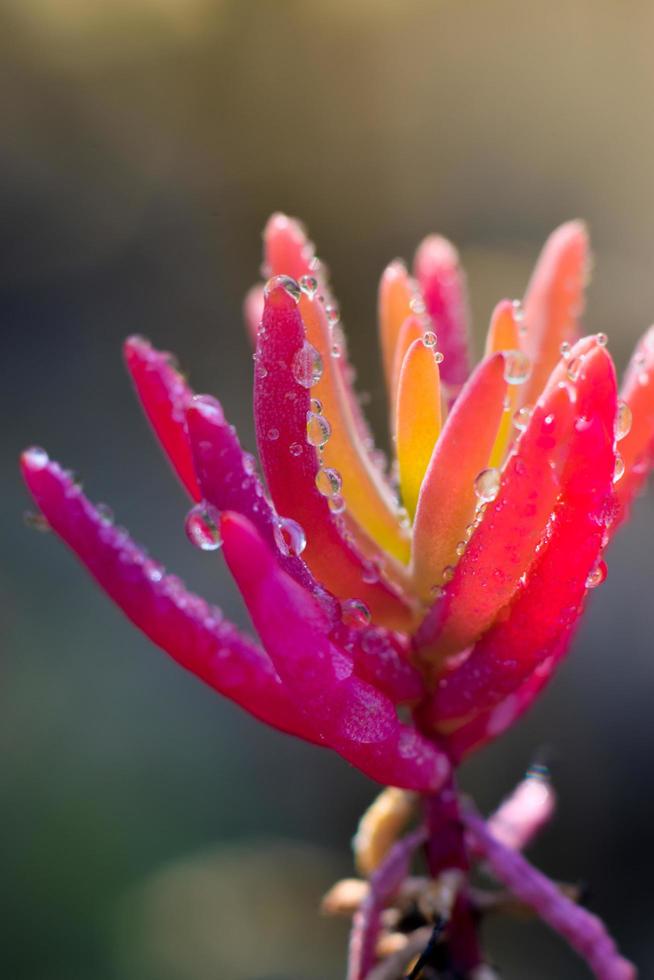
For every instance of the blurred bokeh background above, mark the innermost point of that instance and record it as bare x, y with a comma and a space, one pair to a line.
148, 830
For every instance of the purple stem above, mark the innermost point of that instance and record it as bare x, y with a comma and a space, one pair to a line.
384, 882
584, 931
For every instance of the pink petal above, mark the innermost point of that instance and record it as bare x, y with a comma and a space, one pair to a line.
442, 281
584, 931
227, 480
637, 448
290, 465
164, 396
382, 658
190, 630
350, 715
523, 814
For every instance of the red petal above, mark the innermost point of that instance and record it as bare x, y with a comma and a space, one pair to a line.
442, 281
164, 396
190, 630
290, 466
352, 716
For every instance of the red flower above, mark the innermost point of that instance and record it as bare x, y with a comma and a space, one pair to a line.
459, 603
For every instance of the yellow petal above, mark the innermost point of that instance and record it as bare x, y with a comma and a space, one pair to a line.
418, 419
396, 291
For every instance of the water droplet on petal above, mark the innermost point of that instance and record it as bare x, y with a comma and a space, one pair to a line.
602, 339
623, 421
318, 430
307, 365
273, 435
328, 481
289, 537
105, 513
448, 573
337, 504
518, 311
295, 449
37, 457
597, 574
316, 406
521, 418
517, 367
288, 284
487, 485
429, 339
574, 368
202, 527
249, 463
618, 472
460, 548
355, 612
332, 313
437, 591
309, 286
565, 349
371, 572
439, 357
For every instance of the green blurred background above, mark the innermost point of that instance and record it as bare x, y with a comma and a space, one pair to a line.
148, 830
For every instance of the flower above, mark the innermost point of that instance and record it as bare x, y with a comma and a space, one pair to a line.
449, 587
457, 602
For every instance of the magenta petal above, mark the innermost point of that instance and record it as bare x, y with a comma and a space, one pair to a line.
584, 931
523, 814
190, 630
350, 715
228, 480
164, 396
381, 657
442, 282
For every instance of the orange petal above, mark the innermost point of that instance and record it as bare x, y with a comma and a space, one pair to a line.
503, 335
412, 329
554, 302
418, 419
637, 447
253, 312
447, 500
396, 291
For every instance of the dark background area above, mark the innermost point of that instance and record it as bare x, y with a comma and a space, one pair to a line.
148, 830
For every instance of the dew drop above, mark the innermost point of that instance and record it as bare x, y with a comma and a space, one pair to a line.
574, 368
337, 504
623, 421
403, 518
448, 573
517, 367
289, 537
602, 339
36, 457
202, 527
309, 286
295, 449
518, 311
487, 485
328, 481
618, 472
371, 572
288, 284
429, 339
354, 612
307, 365
565, 349
316, 406
460, 548
249, 463
105, 513
333, 315
437, 591
272, 435
521, 418
597, 574
318, 430
439, 357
